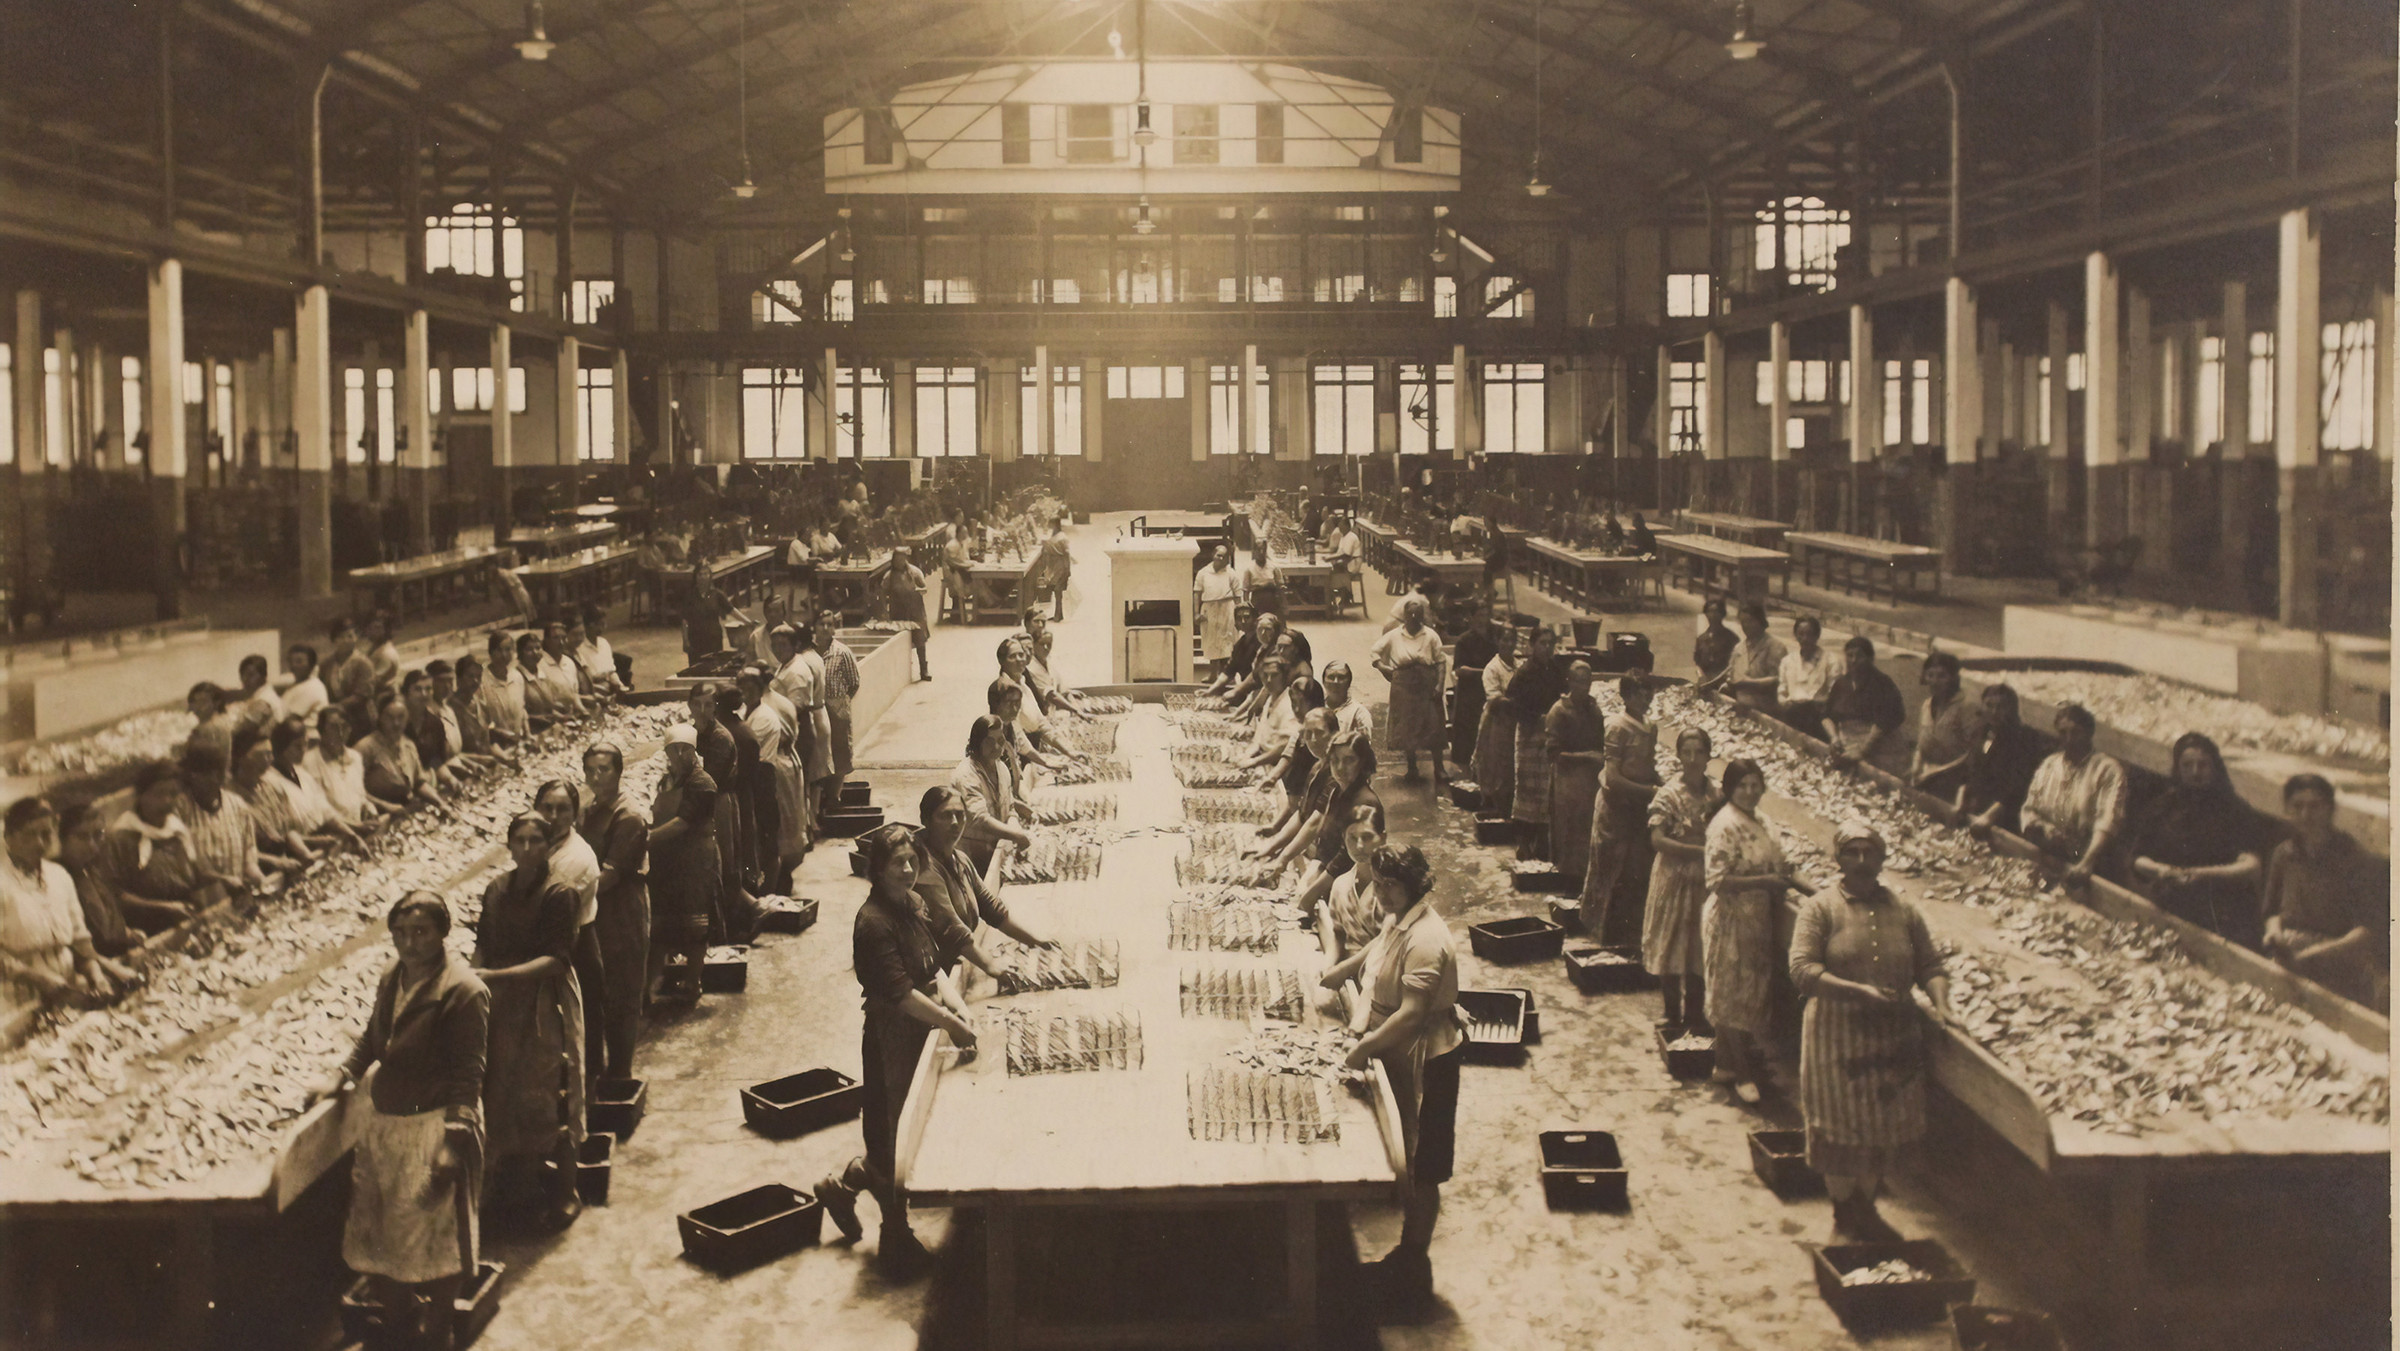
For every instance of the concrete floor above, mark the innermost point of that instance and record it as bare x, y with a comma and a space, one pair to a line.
1706, 1257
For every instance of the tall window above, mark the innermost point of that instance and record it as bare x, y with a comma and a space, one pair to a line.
596, 393
1804, 382
1195, 133
2210, 414
1016, 133
221, 419
862, 413
1066, 410
1813, 234
2347, 403
1270, 133
1687, 393
471, 389
1428, 409
462, 242
56, 410
1908, 402
946, 423
588, 302
1345, 408
841, 300
1687, 295
1519, 302
2039, 433
387, 421
129, 371
2074, 372
1225, 411
1445, 297
8, 407
1145, 382
1513, 408
949, 290
774, 413
354, 415
2170, 391
2262, 388
1088, 133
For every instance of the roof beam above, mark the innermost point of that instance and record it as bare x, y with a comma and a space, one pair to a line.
670, 61
1619, 66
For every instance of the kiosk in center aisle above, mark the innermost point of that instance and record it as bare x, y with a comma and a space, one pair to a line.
1150, 610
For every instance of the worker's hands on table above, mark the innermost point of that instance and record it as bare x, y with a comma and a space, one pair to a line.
332, 1085
2079, 871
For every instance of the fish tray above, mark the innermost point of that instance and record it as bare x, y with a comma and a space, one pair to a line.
1780, 1158
1607, 968
1524, 938
857, 793
850, 822
858, 863
1582, 1170
786, 914
1685, 1062
726, 971
1495, 830
1499, 1024
1466, 795
750, 1227
1982, 1327
616, 1107
470, 1312
799, 1103
1547, 881
1900, 1304
594, 1160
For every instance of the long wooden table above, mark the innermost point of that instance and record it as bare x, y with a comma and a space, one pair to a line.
743, 575
848, 585
1307, 585
1587, 578
925, 546
600, 575
1862, 563
1078, 1150
1757, 531
992, 591
551, 541
1455, 571
435, 581
1713, 566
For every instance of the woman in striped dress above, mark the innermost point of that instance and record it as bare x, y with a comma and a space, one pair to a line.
1533, 689
1746, 876
1857, 952
1679, 817
1495, 767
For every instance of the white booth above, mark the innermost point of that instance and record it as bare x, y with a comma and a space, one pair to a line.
1150, 611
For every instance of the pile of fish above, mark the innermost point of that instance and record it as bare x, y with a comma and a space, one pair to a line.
2163, 710
1226, 870
1889, 1271
1254, 1108
156, 735
1285, 1048
1220, 806
1098, 769
1058, 807
1218, 992
1230, 928
1054, 856
145, 1104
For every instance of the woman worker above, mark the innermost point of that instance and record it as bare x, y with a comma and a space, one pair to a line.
1495, 767
899, 957
685, 875
149, 851
1216, 589
533, 1072
2198, 850
1411, 658
1410, 980
620, 839
1574, 727
575, 864
1746, 875
778, 798
416, 1132
1531, 691
1616, 872
987, 788
1349, 784
1671, 946
2075, 807
45, 947
1356, 910
1857, 951
947, 881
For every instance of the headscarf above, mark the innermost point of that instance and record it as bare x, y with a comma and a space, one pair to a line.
1856, 829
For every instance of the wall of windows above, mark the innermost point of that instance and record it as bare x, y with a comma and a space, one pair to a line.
862, 413
1908, 402
1687, 394
946, 411
1145, 382
1345, 409
1687, 295
2348, 393
774, 413
1813, 234
1066, 410
1514, 409
465, 243
1225, 411
1428, 409
471, 390
596, 396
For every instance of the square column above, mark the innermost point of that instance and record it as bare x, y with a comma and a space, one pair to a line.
2299, 347
1467, 410
1045, 389
620, 399
312, 418
1779, 414
568, 387
2103, 439
164, 419
416, 426
504, 450
2057, 440
827, 376
24, 474
1863, 419
1962, 423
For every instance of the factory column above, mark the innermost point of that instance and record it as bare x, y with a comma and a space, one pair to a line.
1864, 419
1248, 399
2147, 503
312, 418
1780, 498
504, 451
416, 428
2298, 348
163, 413
24, 473
2103, 439
1662, 415
2239, 489
620, 405
828, 409
1710, 494
568, 388
1045, 427
2057, 441
1962, 427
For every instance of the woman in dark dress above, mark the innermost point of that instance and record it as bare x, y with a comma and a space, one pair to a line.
2199, 850
533, 1071
1536, 686
684, 872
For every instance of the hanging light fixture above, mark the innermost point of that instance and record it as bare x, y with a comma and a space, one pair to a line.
1743, 45
1534, 186
748, 187
1144, 134
848, 254
536, 44
1142, 224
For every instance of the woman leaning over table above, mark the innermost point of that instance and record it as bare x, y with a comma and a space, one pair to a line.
1357, 913
533, 1076
1671, 944
1746, 876
149, 850
987, 787
1857, 951
416, 1133
1410, 980
2199, 850
899, 955
2075, 807
45, 949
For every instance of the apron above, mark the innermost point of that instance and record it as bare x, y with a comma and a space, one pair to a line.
1416, 710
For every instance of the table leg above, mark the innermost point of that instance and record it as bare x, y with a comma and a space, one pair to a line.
195, 1279
1300, 1268
1000, 1278
2129, 1250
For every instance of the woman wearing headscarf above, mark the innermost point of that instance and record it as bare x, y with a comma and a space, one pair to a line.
620, 839
1537, 684
1746, 875
1495, 767
2199, 850
575, 864
533, 1073
1410, 980
1616, 873
149, 850
778, 800
684, 873
899, 956
1574, 727
415, 1132
1679, 816
1857, 952
1412, 659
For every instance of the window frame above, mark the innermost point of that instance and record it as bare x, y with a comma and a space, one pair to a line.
1509, 380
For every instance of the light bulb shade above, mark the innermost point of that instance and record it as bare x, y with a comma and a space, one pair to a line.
536, 44
745, 189
1144, 134
1743, 46
1535, 187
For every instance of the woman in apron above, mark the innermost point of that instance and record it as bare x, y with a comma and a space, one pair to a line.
1616, 875
533, 1073
1495, 767
1573, 727
1411, 658
1216, 590
684, 871
1531, 691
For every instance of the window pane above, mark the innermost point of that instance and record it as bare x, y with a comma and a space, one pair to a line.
1270, 133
